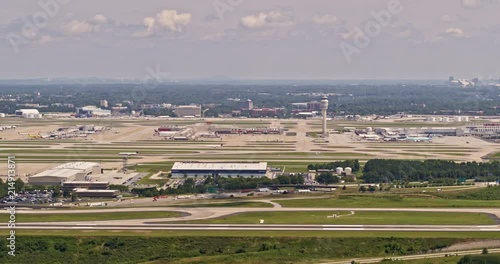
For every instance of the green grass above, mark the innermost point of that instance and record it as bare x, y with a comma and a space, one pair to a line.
488, 194
421, 147
493, 156
202, 249
302, 154
20, 217
358, 218
386, 201
226, 233
151, 169
486, 259
445, 260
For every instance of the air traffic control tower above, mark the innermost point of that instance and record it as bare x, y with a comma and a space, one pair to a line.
324, 108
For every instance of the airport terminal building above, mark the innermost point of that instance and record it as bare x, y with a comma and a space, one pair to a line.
221, 169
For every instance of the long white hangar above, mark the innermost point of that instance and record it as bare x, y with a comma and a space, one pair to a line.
221, 169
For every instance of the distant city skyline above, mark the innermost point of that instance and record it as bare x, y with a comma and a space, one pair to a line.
250, 40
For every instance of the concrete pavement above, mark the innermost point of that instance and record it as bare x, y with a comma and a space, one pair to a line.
215, 212
123, 225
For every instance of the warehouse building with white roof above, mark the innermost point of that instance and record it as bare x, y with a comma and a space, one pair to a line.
74, 171
221, 169
28, 113
86, 167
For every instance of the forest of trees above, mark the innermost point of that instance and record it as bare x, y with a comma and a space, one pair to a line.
349, 99
4, 187
228, 184
378, 170
327, 178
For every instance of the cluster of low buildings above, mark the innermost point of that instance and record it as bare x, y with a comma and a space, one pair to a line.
210, 130
75, 176
418, 134
221, 130
78, 131
307, 109
447, 119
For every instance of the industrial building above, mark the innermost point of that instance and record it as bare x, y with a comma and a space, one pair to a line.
92, 111
95, 193
262, 112
493, 128
104, 103
463, 83
86, 167
248, 104
438, 131
74, 171
91, 185
314, 106
447, 119
221, 169
220, 130
188, 111
28, 113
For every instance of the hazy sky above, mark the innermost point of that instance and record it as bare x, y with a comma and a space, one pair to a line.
250, 39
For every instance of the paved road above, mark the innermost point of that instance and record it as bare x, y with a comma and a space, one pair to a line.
412, 257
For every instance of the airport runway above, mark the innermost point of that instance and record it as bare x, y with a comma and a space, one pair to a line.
257, 227
214, 212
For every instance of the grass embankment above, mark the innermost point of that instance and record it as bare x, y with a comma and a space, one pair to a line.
203, 249
387, 201
21, 217
358, 218
446, 260
493, 156
475, 259
287, 234
481, 259
485, 194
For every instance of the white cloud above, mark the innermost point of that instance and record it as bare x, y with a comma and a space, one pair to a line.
76, 27
99, 19
269, 19
471, 3
45, 39
476, 4
449, 19
454, 32
169, 20
80, 27
326, 20
405, 30
255, 21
